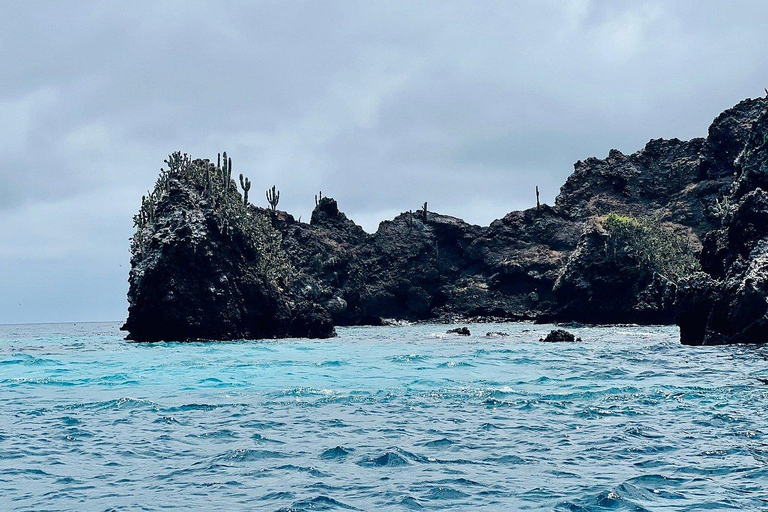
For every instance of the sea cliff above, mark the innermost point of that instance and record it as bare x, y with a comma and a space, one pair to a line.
622, 243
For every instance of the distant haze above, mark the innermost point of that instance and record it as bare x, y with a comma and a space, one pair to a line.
382, 105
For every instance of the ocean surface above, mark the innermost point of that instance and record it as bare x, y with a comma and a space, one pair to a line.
381, 418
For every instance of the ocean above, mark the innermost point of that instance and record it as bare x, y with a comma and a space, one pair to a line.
381, 418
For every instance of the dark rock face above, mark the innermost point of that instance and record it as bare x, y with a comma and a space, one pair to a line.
728, 302
441, 267
559, 335
680, 178
201, 273
671, 183
205, 266
595, 288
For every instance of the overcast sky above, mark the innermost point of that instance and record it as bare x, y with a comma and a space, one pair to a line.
382, 105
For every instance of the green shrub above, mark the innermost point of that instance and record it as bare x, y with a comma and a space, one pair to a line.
650, 247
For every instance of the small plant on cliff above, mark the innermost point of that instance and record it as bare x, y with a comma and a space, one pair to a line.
273, 197
649, 246
722, 210
246, 187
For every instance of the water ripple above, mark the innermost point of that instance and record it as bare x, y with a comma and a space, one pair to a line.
381, 418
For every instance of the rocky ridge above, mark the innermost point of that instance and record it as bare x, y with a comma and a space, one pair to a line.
550, 263
727, 302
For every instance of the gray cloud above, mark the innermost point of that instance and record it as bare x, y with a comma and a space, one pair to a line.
382, 105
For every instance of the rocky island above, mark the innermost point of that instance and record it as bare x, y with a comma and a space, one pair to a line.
675, 232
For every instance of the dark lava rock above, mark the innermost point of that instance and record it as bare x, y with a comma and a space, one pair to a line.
496, 334
674, 188
728, 302
461, 331
206, 266
559, 335
608, 280
546, 263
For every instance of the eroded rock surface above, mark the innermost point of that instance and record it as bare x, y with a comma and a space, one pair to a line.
200, 274
728, 301
206, 266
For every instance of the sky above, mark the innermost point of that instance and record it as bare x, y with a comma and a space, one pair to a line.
380, 104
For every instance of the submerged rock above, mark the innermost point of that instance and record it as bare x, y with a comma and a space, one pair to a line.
461, 331
559, 335
496, 334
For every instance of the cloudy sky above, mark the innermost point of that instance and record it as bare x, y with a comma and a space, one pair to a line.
382, 105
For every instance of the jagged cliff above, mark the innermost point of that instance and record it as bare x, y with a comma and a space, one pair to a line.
560, 262
728, 301
205, 265
546, 263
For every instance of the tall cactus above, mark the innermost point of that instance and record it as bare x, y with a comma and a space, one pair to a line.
538, 203
178, 163
226, 174
273, 197
246, 187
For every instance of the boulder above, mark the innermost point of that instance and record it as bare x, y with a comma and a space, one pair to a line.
559, 335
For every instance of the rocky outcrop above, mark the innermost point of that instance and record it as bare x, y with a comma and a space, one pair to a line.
728, 301
673, 188
559, 336
415, 267
597, 286
205, 265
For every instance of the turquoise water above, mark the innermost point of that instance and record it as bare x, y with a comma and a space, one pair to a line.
381, 418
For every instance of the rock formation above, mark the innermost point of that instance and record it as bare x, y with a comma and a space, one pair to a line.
559, 336
205, 265
728, 301
672, 185
551, 263
620, 244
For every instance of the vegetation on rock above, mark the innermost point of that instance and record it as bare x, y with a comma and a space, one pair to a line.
617, 246
650, 247
205, 264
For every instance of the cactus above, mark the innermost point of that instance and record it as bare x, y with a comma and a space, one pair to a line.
424, 212
178, 163
246, 187
273, 197
226, 176
316, 199
538, 204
